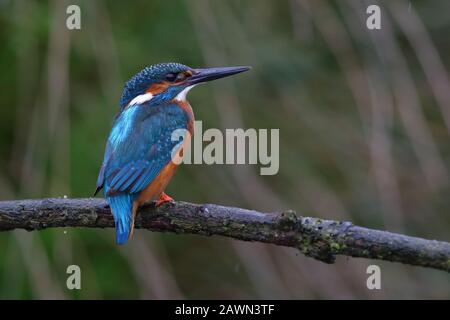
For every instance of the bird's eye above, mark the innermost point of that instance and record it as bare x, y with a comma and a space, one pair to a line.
171, 77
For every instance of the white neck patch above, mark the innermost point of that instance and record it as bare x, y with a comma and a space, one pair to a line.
141, 99
182, 95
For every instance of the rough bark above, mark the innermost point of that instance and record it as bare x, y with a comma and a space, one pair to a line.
316, 238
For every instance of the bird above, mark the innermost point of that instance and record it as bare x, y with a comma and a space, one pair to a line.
137, 164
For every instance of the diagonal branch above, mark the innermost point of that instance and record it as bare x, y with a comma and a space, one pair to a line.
316, 238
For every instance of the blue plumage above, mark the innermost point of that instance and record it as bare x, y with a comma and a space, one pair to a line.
135, 155
138, 84
140, 144
121, 207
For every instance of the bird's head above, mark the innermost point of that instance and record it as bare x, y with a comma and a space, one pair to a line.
168, 81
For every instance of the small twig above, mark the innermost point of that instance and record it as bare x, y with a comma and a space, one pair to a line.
316, 238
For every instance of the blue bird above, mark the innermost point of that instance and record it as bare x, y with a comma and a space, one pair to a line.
137, 164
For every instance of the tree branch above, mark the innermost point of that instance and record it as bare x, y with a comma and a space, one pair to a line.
316, 238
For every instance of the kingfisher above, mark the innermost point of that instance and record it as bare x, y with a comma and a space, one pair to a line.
138, 161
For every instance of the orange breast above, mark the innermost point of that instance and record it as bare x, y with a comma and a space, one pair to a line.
154, 189
188, 109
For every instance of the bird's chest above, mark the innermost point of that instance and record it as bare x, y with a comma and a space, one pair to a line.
187, 109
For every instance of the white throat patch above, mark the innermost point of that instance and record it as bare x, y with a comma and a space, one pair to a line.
182, 95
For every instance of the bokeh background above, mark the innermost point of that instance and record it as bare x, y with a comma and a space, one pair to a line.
364, 120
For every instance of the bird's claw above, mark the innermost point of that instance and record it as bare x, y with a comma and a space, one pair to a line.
164, 198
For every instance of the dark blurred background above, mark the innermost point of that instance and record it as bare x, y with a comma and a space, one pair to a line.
364, 120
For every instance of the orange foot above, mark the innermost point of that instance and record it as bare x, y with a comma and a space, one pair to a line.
163, 199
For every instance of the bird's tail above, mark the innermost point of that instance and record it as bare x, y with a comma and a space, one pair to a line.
123, 212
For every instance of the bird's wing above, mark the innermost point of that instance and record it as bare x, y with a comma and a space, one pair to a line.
139, 147
101, 174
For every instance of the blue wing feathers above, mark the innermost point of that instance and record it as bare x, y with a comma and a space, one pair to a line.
136, 172
147, 147
135, 155
145, 179
122, 176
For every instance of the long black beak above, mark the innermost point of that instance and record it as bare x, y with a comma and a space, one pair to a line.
204, 75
